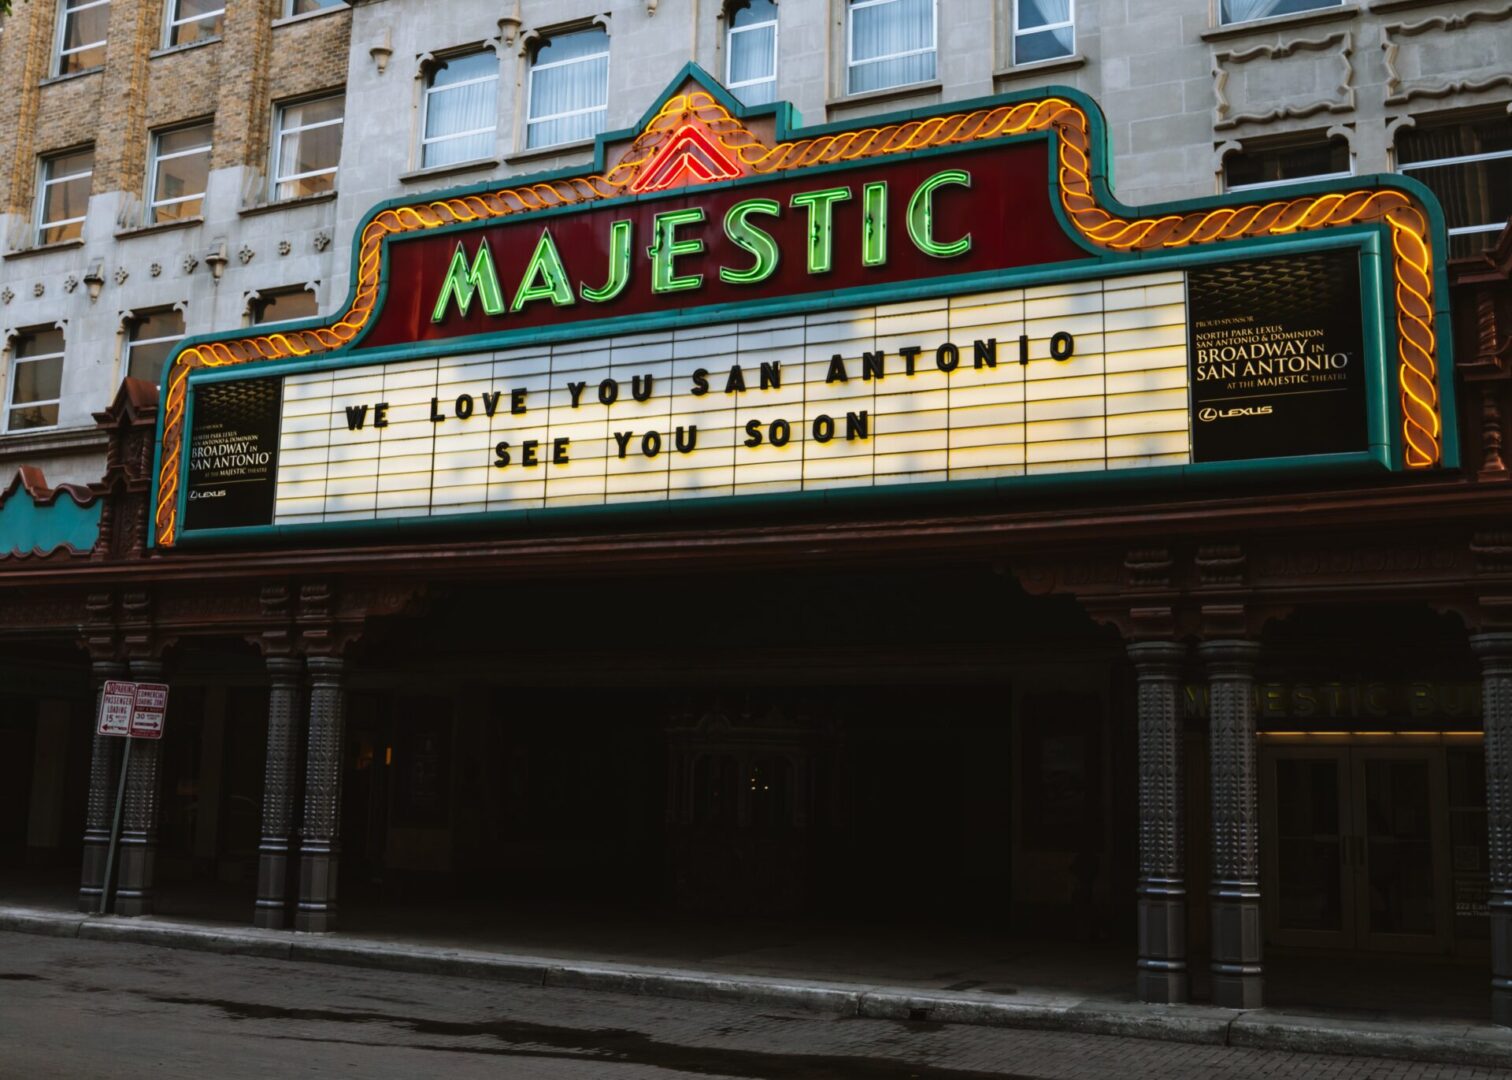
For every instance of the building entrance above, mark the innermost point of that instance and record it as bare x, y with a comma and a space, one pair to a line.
1375, 845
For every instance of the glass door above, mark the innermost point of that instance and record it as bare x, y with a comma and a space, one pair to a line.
1400, 842
1305, 849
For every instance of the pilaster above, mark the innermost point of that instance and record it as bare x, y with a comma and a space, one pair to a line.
1495, 653
138, 857
272, 906
104, 761
320, 838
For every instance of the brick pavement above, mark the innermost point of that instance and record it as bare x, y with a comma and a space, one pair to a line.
72, 1008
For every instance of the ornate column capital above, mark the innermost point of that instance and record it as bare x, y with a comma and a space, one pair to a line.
326, 670
1157, 659
284, 670
1230, 657
1494, 649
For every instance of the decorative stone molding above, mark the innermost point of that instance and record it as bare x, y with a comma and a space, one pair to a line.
245, 255
1220, 564
1291, 85
1410, 74
1149, 568
322, 239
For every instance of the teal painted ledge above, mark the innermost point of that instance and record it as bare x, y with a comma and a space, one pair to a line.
36, 521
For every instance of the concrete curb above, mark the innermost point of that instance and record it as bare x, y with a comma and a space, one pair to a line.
1443, 1043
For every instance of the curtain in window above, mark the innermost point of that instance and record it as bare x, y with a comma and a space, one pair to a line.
1030, 44
569, 88
461, 109
1234, 11
892, 43
753, 61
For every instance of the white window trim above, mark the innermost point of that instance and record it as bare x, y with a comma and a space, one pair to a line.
851, 63
174, 24
532, 121
279, 131
48, 181
153, 202
431, 90
1466, 159
1020, 31
64, 11
730, 84
1272, 18
11, 381
287, 7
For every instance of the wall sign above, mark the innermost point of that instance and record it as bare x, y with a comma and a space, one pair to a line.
730, 306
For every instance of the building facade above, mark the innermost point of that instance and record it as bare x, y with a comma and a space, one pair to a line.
1235, 704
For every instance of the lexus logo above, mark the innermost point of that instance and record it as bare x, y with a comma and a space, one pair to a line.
1210, 414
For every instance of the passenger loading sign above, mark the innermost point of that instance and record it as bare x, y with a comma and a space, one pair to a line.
132, 709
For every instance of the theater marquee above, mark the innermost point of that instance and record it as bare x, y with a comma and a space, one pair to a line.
727, 307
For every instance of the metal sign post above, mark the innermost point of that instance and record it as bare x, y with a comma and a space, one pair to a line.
132, 711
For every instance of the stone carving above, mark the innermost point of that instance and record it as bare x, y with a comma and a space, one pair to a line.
190, 262
322, 240
284, 247
70, 283
1413, 61
245, 254
38, 289
155, 269
121, 275
1293, 82
6, 295
1220, 564
1149, 568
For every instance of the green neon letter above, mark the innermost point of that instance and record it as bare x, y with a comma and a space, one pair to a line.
820, 215
749, 238
619, 265
545, 277
463, 283
921, 216
665, 247
874, 240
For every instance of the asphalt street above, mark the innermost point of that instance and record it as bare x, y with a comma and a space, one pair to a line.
86, 1009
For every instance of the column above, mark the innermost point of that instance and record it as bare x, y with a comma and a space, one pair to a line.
320, 839
138, 855
105, 757
1162, 841
278, 794
1495, 652
1238, 978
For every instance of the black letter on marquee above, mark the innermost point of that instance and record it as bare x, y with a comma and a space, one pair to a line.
857, 425
517, 401
559, 450
873, 365
501, 455
622, 440
380, 414
576, 390
836, 371
824, 428
686, 445
491, 401
528, 452
436, 417
771, 375
947, 357
909, 353
356, 414
608, 392
651, 443
464, 406
782, 431
736, 379
984, 353
1023, 349
1062, 345
700, 382
635, 387
753, 433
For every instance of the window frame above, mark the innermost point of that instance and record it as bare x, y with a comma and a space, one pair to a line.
1266, 184
429, 89
286, 7
533, 66
154, 158
1019, 32
1321, 5
730, 31
256, 308
1466, 159
851, 7
11, 381
44, 182
60, 34
279, 131
170, 9
132, 341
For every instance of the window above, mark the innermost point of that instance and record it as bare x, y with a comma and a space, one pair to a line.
569, 88
751, 44
1266, 167
1237, 11
180, 169
304, 7
152, 338
81, 34
889, 43
307, 147
281, 305
461, 102
1043, 30
64, 197
36, 381
195, 20
1468, 165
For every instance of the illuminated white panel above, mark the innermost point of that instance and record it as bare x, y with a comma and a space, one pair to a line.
962, 388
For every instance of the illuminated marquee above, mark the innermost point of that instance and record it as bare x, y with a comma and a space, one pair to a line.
731, 308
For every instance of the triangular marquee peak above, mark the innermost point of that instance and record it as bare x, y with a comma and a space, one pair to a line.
694, 155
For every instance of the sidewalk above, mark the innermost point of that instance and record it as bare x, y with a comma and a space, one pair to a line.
1096, 1012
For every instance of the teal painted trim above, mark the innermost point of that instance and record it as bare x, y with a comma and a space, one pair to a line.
33, 527
1166, 477
1377, 336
